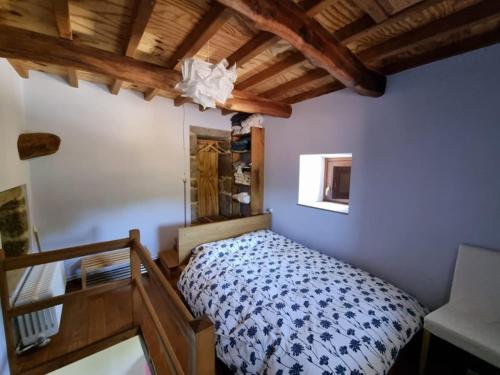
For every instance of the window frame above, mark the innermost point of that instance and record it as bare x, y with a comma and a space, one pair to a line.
330, 164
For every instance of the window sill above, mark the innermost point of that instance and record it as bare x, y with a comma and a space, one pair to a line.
329, 206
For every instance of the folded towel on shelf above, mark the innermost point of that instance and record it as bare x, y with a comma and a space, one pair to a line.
243, 197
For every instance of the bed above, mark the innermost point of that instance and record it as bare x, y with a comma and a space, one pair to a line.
281, 308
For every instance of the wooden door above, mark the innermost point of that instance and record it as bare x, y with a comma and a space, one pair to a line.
208, 183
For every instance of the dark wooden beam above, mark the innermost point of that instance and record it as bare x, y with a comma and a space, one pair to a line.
313, 93
309, 77
455, 21
27, 45
142, 14
373, 9
288, 21
287, 63
246, 102
19, 68
365, 25
263, 40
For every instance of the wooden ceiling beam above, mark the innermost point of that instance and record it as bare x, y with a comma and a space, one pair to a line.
63, 21
288, 62
298, 58
288, 21
373, 9
142, 14
244, 102
364, 26
264, 40
309, 77
19, 68
455, 21
313, 93
453, 49
27, 45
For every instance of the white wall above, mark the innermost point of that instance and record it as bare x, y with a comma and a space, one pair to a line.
120, 165
13, 171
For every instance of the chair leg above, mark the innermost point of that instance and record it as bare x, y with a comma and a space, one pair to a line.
426, 339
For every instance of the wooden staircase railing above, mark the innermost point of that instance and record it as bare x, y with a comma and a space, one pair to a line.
161, 347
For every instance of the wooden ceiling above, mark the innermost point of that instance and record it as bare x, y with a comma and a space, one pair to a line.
137, 44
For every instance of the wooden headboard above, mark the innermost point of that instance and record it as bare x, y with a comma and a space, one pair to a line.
190, 237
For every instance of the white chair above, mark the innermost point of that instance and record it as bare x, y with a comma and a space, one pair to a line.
471, 318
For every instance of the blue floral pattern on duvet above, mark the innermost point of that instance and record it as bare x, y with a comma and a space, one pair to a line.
281, 308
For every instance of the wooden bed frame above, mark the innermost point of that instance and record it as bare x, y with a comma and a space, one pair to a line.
190, 237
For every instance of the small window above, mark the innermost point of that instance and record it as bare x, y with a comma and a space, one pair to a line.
325, 181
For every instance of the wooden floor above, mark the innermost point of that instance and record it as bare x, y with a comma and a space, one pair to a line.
83, 322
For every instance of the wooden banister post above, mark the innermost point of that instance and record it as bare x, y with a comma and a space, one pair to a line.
7, 321
202, 358
135, 275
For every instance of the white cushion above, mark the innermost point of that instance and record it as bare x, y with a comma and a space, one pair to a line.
479, 338
471, 319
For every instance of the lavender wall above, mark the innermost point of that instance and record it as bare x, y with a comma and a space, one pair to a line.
426, 172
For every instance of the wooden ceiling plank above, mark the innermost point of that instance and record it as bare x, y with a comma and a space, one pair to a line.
373, 9
200, 35
254, 47
63, 21
465, 45
19, 68
313, 93
142, 15
288, 21
354, 28
391, 22
448, 24
264, 40
310, 76
287, 63
27, 45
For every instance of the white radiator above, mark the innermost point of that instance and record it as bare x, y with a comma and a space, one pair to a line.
42, 281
